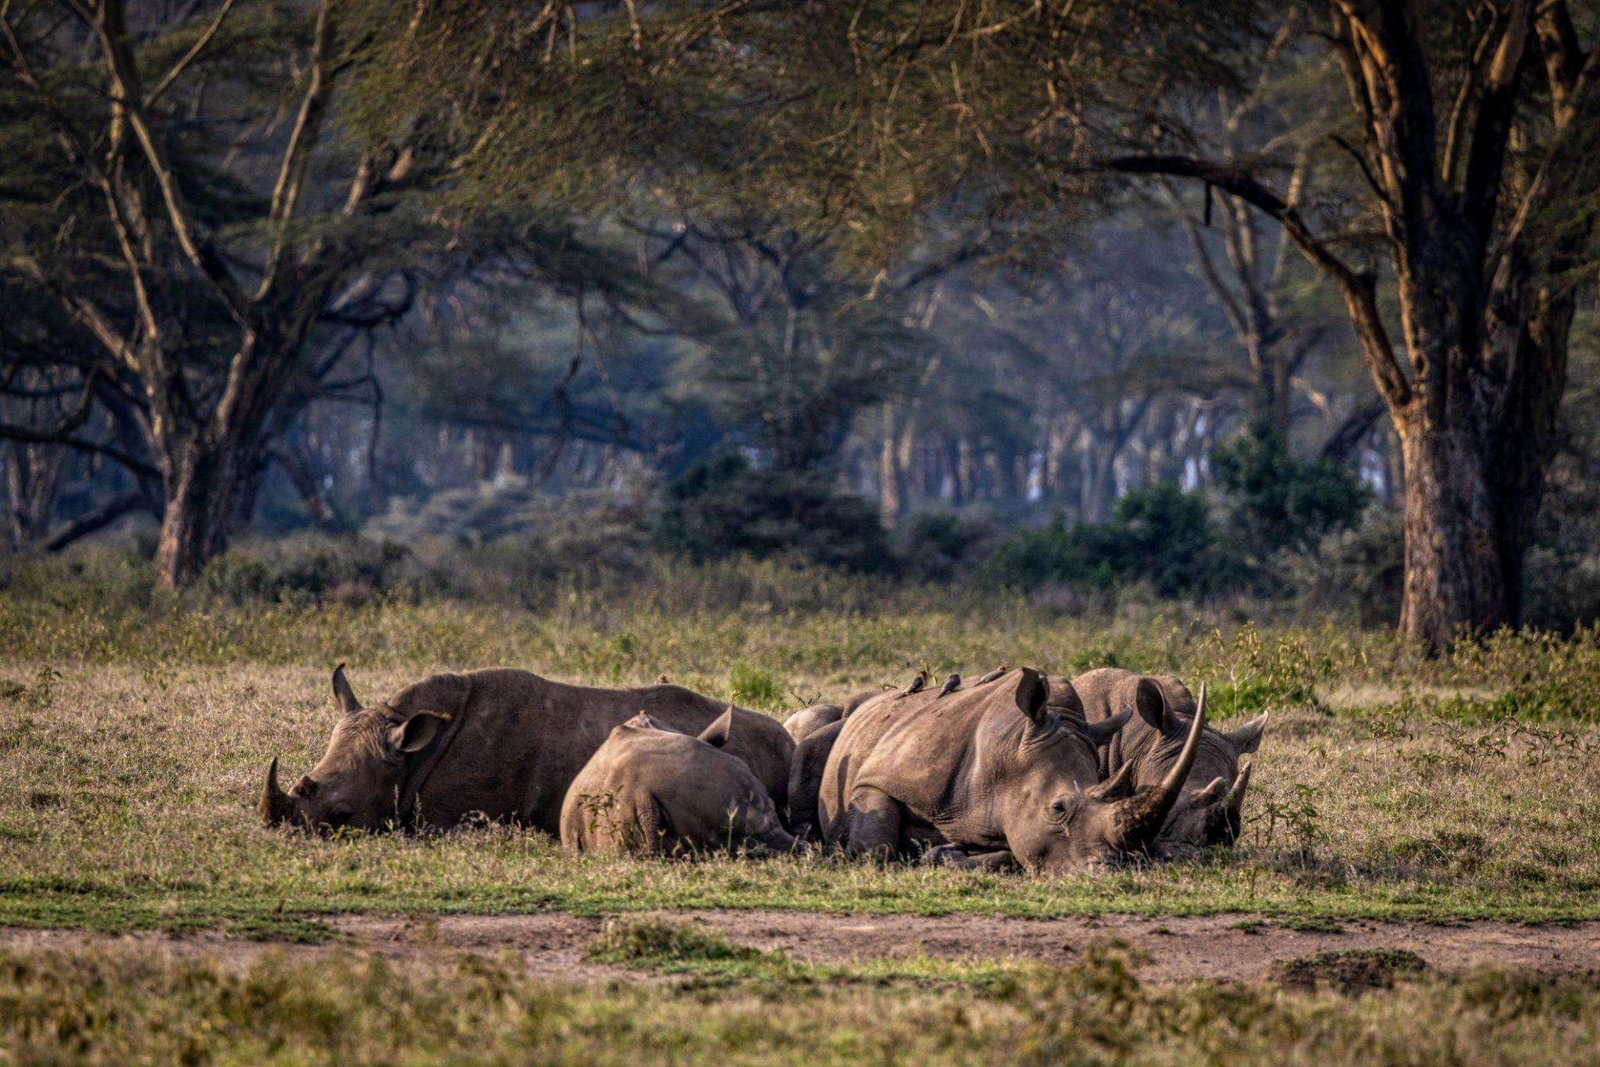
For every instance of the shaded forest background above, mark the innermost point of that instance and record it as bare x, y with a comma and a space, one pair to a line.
302, 288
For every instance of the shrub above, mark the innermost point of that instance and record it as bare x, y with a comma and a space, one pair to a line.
1160, 535
307, 568
940, 545
723, 507
1277, 501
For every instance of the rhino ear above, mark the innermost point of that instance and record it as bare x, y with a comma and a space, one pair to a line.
716, 735
1032, 694
1247, 738
1151, 704
417, 732
342, 692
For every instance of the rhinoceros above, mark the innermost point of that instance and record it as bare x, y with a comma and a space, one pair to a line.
988, 777
1209, 811
654, 791
805, 778
502, 743
806, 721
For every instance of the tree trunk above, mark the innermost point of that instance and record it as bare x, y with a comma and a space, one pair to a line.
200, 508
1474, 451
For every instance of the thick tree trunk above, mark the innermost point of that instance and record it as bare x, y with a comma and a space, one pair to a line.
1474, 451
200, 509
1456, 577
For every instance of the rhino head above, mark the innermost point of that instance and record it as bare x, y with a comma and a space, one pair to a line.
358, 779
1054, 822
1206, 816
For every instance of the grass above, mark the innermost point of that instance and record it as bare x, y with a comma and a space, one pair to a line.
137, 726
127, 792
133, 1005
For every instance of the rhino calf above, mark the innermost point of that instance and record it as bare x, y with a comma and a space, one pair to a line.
650, 790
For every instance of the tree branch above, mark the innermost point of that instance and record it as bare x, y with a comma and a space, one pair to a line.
188, 57
1359, 289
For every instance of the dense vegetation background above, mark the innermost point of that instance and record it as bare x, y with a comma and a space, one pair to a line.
581, 284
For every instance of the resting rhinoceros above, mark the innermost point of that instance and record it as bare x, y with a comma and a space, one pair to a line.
1208, 812
655, 791
505, 744
987, 776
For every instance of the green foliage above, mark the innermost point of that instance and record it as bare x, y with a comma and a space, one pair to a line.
662, 944
308, 569
724, 507
1277, 501
1160, 535
941, 545
754, 686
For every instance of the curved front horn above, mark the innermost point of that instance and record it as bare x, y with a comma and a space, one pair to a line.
276, 807
1140, 818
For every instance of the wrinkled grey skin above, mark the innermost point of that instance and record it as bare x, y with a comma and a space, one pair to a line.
988, 777
805, 779
522, 741
654, 791
1210, 810
806, 721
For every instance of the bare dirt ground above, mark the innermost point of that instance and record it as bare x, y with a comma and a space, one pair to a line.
1229, 947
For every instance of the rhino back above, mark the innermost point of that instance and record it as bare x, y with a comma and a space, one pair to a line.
525, 738
918, 749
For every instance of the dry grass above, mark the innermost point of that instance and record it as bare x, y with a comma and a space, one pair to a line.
126, 800
135, 1006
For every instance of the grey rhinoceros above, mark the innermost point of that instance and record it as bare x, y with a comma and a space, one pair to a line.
503, 743
988, 776
1210, 810
651, 790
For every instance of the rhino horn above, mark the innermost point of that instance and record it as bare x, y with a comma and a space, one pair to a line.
1102, 733
1233, 800
1213, 792
276, 807
1140, 817
343, 693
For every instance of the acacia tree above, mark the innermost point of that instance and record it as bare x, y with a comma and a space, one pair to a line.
1476, 128
214, 188
1459, 234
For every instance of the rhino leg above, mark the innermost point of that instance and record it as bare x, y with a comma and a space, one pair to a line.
956, 857
873, 821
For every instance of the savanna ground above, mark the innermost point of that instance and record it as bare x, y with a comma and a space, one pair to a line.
1416, 881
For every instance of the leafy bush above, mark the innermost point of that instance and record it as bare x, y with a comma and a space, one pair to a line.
723, 507
940, 545
308, 568
1278, 501
1359, 571
753, 686
1160, 534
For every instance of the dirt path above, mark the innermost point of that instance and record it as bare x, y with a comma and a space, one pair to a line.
1226, 946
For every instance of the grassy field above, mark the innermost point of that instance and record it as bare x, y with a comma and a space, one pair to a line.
714, 1002
138, 727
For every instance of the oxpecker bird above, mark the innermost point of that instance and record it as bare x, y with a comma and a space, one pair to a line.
951, 684
992, 675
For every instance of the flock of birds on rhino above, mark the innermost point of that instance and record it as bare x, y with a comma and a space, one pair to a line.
1015, 770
